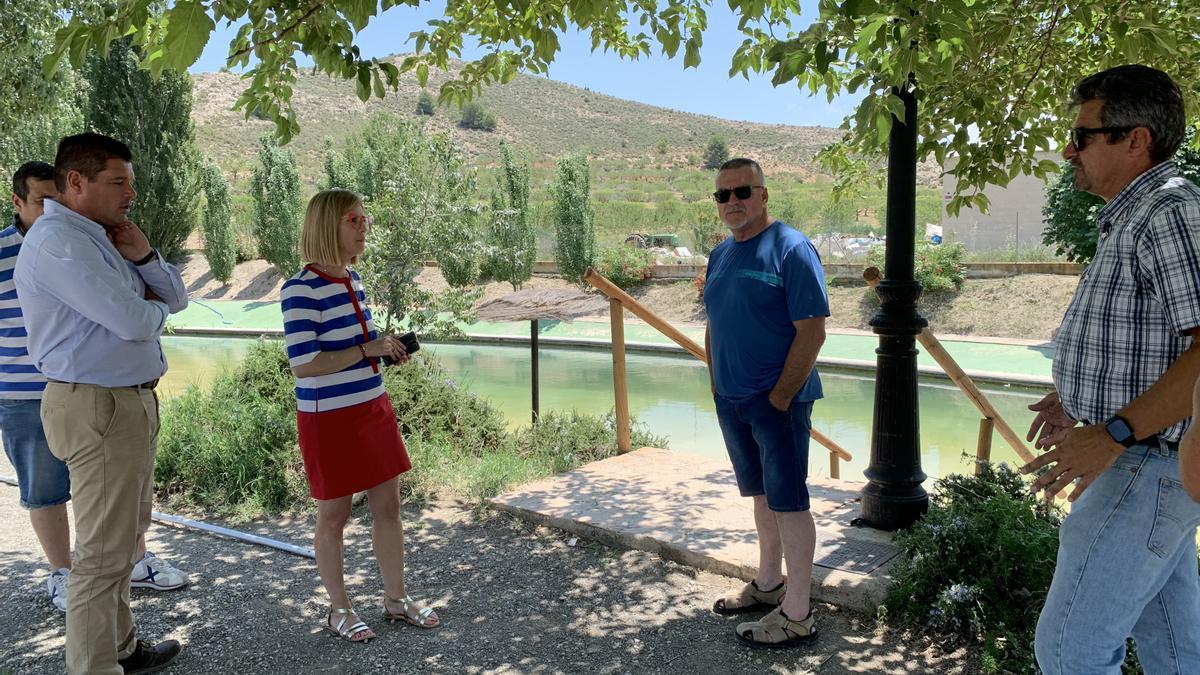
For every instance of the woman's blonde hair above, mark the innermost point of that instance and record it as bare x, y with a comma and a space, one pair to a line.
319, 238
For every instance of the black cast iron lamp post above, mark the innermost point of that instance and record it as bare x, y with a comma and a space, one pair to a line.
893, 498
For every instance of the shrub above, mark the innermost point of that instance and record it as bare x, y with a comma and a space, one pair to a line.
716, 153
574, 226
510, 243
220, 245
233, 448
661, 146
976, 568
475, 116
278, 212
431, 406
422, 196
241, 214
1070, 217
939, 269
337, 170
624, 265
706, 234
153, 115
424, 103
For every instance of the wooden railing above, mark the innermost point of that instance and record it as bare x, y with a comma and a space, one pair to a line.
619, 301
991, 419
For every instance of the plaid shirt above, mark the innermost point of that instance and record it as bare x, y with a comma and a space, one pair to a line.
1137, 300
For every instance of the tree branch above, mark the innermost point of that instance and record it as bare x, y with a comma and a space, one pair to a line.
283, 33
1046, 38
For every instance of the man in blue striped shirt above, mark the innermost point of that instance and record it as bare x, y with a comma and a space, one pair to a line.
44, 483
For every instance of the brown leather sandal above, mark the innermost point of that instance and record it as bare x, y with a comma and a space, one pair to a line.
750, 599
777, 631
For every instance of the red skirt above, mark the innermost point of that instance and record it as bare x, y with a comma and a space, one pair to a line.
351, 449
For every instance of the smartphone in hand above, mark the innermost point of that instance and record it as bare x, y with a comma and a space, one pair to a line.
409, 340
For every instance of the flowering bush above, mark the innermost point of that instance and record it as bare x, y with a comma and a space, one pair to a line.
939, 269
977, 567
624, 265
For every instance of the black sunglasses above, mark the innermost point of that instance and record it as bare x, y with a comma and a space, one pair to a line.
741, 192
1080, 135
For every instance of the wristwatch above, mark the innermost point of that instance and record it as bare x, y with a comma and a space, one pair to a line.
1120, 430
149, 256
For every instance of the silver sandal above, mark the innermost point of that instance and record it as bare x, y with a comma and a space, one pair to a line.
343, 631
424, 618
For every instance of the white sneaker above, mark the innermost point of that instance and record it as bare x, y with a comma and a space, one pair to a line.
156, 573
56, 586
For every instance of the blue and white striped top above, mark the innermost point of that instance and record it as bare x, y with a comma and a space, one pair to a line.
19, 378
324, 313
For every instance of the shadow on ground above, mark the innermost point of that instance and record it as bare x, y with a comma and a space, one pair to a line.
513, 598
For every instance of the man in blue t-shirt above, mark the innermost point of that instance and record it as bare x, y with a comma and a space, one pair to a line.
765, 296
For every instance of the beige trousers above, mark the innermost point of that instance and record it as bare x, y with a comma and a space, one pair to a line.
107, 437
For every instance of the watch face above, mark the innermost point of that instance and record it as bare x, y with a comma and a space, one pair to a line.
1119, 430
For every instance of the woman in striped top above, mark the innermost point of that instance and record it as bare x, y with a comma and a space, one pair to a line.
348, 434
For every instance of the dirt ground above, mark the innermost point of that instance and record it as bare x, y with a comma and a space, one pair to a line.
513, 598
1028, 306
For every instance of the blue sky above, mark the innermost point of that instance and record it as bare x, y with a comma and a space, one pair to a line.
707, 90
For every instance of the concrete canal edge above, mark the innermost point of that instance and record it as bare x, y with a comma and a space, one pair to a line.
686, 508
598, 344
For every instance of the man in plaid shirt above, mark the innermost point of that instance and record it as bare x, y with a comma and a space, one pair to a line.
1125, 363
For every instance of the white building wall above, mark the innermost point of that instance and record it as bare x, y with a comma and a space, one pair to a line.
1014, 218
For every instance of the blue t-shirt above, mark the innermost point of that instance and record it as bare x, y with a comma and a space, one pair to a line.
753, 291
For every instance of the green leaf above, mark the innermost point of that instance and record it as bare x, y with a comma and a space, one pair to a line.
867, 36
822, 56
364, 83
359, 12
378, 83
691, 54
188, 29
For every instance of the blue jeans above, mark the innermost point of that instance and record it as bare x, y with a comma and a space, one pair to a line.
768, 448
1126, 566
43, 478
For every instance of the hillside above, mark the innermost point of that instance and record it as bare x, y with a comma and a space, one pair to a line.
547, 119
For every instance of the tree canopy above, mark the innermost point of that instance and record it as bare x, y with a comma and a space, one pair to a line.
991, 76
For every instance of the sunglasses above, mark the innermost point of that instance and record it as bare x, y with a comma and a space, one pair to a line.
1080, 135
741, 192
360, 221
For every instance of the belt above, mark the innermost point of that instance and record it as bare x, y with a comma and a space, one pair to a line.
145, 385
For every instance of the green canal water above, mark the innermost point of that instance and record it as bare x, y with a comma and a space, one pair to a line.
670, 396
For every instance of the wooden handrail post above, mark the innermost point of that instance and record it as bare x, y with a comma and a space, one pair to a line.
935, 349
620, 388
614, 292
983, 449
834, 448
835, 470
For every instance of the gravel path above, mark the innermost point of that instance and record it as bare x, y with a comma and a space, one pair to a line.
513, 598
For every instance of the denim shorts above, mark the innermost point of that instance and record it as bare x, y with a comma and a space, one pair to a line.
768, 448
43, 478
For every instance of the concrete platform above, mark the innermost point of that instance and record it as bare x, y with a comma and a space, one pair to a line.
686, 508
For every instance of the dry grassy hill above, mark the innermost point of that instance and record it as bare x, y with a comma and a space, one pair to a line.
545, 118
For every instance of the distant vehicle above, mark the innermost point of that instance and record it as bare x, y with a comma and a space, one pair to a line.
657, 240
